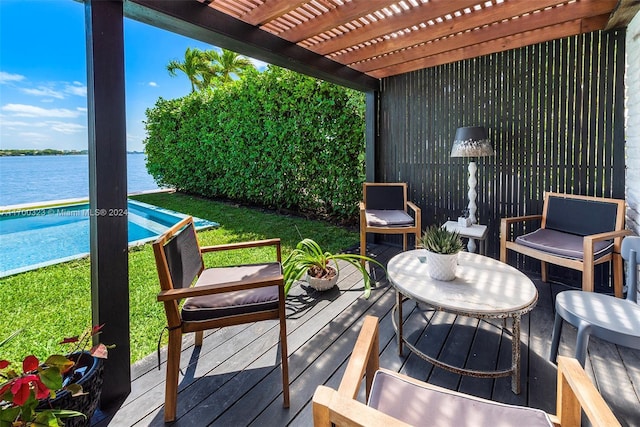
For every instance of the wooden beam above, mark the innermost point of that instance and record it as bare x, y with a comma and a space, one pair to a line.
334, 18
108, 219
270, 10
492, 32
198, 21
476, 19
623, 14
426, 11
541, 35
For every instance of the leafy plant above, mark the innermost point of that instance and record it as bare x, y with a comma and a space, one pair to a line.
308, 256
274, 138
441, 241
23, 389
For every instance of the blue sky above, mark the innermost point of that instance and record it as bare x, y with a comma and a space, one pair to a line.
43, 78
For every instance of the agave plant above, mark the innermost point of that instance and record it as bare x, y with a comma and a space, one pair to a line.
308, 256
441, 241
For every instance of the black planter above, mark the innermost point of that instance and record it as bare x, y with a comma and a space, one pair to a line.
91, 383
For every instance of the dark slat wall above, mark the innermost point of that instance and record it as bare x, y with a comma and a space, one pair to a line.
555, 116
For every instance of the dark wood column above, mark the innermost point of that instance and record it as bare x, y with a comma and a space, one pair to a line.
108, 190
371, 134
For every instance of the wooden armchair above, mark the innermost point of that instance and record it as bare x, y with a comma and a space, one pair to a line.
397, 400
577, 232
385, 210
221, 296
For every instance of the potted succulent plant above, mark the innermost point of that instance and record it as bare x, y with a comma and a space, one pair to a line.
442, 247
309, 258
62, 387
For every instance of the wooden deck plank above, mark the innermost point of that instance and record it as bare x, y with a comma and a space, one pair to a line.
483, 355
541, 371
236, 378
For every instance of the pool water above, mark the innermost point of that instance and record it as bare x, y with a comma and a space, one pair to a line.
31, 239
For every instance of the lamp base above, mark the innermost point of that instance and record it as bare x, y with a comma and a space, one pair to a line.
472, 192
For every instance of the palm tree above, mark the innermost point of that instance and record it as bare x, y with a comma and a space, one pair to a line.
195, 66
227, 63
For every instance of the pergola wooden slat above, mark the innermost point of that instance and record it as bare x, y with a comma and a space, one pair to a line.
382, 38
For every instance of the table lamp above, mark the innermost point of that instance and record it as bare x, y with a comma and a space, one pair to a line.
472, 142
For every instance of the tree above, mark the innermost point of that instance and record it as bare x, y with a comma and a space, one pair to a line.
225, 64
195, 66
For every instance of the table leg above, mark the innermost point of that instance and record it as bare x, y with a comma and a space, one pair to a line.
399, 311
471, 246
515, 356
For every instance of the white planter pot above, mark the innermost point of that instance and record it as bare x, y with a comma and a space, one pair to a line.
440, 266
322, 284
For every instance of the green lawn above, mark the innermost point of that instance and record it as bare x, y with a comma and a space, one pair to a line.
55, 302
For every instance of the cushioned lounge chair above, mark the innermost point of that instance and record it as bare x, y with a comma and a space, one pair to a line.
394, 399
385, 210
221, 296
578, 232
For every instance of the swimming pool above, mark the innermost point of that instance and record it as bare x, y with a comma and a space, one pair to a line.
31, 239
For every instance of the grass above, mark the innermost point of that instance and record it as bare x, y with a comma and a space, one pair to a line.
54, 302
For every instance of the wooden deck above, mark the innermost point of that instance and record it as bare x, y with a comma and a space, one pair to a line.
234, 378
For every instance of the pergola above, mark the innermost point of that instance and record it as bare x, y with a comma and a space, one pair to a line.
352, 43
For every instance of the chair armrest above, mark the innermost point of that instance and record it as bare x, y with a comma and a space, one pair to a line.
180, 293
364, 360
514, 219
576, 392
505, 231
414, 208
330, 407
362, 206
606, 236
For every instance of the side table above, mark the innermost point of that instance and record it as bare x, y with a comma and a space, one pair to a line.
473, 232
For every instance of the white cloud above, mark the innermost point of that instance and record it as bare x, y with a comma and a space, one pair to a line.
12, 124
22, 110
43, 91
153, 84
76, 89
8, 77
82, 109
34, 136
66, 128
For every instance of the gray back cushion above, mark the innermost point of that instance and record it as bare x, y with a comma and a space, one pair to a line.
580, 217
183, 257
385, 197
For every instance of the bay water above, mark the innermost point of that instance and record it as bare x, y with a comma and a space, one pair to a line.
33, 179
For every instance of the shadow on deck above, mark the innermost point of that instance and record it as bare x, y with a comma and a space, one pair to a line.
234, 378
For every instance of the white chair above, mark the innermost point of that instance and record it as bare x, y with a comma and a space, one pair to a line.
608, 318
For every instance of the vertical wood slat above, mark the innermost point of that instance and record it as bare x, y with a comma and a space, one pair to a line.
554, 113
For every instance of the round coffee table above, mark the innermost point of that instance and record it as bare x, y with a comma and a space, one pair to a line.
484, 288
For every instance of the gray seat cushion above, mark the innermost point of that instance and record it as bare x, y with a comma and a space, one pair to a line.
562, 244
388, 218
237, 302
427, 405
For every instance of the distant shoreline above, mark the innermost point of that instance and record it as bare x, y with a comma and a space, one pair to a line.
50, 152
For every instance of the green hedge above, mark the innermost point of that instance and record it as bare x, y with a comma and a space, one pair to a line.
274, 138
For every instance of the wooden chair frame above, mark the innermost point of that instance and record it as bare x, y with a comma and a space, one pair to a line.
171, 297
405, 230
340, 407
586, 265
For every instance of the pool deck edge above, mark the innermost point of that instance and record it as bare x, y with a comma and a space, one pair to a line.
66, 202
